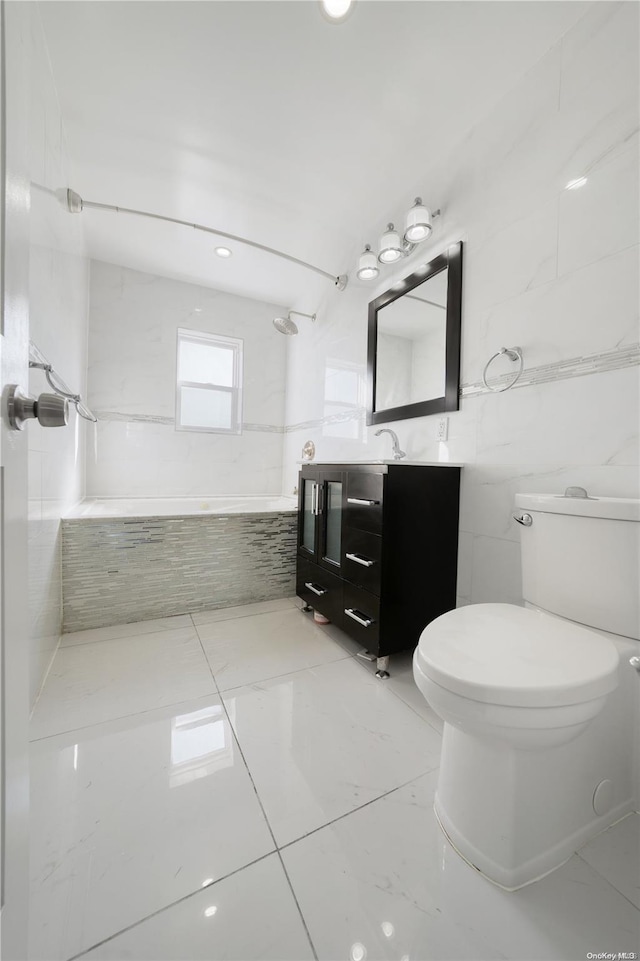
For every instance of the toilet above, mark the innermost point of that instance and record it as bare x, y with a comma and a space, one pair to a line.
541, 703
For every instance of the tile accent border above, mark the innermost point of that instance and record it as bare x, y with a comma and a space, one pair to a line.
354, 413
120, 570
128, 418
616, 359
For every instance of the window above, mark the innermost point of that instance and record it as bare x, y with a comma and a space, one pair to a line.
209, 390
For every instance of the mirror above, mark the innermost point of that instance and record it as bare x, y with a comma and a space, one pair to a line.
414, 343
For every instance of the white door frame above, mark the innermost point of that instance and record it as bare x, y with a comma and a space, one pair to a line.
15, 44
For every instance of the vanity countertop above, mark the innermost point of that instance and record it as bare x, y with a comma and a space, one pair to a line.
406, 463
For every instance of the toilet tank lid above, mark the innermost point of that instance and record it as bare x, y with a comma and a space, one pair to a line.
615, 508
503, 654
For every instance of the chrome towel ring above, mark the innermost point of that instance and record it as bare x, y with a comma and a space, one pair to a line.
513, 353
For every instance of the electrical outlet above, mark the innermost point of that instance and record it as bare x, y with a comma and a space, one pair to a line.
442, 430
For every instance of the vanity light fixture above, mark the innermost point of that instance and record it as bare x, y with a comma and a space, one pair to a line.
223, 252
392, 246
367, 264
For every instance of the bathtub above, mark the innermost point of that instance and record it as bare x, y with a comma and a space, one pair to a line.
134, 559
180, 506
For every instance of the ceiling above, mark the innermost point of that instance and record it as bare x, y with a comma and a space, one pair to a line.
264, 120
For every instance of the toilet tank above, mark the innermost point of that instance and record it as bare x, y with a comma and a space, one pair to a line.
580, 559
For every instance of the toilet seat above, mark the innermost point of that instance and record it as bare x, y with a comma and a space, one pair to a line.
507, 655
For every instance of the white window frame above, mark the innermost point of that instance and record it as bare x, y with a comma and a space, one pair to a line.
236, 345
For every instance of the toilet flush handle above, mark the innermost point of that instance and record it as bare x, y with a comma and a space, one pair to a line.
525, 519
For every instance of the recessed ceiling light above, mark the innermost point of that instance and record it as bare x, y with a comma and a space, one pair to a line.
223, 252
336, 10
574, 184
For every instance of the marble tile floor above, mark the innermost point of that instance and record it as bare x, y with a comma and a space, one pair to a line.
239, 785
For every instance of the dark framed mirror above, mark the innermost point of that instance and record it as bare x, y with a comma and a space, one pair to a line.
413, 355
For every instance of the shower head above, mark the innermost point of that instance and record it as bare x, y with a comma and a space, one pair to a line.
287, 326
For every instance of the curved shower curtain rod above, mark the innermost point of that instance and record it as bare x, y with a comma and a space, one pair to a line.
75, 205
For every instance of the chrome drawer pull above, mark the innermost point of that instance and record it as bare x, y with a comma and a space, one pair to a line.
355, 615
363, 503
315, 590
360, 560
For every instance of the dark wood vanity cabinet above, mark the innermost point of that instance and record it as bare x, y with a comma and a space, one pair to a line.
319, 565
378, 547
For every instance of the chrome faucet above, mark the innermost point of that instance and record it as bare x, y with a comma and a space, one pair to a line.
397, 453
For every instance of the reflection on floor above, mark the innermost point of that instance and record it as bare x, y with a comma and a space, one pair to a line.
239, 785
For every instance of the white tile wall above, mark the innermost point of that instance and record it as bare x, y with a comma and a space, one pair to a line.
550, 270
136, 450
58, 302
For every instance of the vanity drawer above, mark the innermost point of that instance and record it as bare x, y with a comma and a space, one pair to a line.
361, 561
361, 619
364, 501
320, 590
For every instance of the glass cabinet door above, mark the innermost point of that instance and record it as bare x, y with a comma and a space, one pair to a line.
308, 525
331, 507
